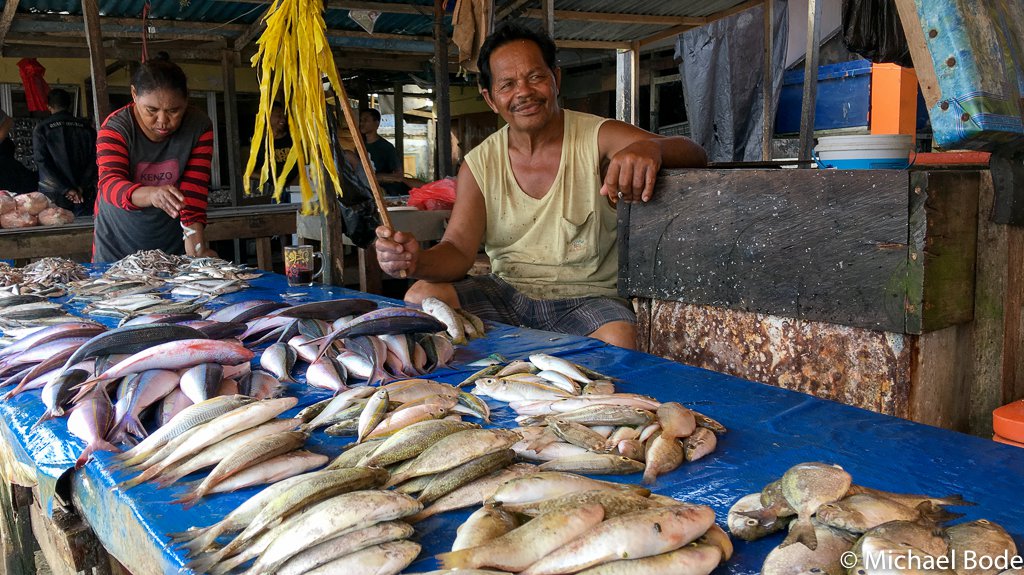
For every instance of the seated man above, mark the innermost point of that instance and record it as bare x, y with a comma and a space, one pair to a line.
533, 193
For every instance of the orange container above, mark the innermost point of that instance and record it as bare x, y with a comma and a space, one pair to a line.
1007, 441
1008, 421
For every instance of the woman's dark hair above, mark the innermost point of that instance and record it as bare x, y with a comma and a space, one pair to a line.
506, 34
160, 73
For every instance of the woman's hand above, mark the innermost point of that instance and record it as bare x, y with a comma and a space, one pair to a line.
397, 252
167, 198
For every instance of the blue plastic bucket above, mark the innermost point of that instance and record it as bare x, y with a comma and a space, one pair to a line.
874, 152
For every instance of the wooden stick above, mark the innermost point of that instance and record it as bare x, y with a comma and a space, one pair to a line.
364, 157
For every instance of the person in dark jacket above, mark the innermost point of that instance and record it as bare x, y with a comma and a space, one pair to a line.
64, 147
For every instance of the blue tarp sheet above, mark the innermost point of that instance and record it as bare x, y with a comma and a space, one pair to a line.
770, 430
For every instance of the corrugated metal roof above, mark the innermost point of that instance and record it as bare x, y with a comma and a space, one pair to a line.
59, 21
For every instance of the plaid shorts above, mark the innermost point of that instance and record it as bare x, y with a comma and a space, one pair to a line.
492, 298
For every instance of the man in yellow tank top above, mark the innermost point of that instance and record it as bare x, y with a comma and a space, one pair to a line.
540, 194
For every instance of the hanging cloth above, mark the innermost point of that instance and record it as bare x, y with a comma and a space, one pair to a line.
36, 88
471, 24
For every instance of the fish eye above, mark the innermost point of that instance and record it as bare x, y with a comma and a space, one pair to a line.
815, 570
751, 522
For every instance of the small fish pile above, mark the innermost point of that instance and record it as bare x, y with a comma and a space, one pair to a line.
324, 522
576, 524
245, 446
573, 420
828, 516
46, 277
146, 264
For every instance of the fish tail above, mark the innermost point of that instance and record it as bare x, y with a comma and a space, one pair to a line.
650, 475
48, 415
460, 559
935, 514
141, 478
801, 531
183, 538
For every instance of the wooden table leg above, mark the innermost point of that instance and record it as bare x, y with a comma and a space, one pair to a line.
17, 544
369, 272
264, 255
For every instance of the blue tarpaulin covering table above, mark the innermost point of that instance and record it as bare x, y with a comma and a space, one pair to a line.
770, 429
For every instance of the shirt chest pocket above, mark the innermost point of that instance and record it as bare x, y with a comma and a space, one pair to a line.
580, 234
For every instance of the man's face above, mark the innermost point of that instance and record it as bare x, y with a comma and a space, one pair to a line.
278, 122
523, 91
367, 123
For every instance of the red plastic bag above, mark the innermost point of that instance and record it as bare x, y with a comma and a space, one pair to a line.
439, 195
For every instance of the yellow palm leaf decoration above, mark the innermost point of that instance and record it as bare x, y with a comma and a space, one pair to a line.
292, 58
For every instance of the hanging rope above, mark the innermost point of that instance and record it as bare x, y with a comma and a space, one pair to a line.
145, 32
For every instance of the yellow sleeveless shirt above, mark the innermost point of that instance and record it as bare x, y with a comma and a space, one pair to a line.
563, 244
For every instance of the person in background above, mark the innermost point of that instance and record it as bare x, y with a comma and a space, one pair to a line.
14, 176
383, 155
154, 160
539, 193
64, 147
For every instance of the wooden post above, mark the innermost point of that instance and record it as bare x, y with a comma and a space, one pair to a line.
810, 79
627, 83
97, 63
399, 105
442, 108
924, 66
16, 540
549, 17
6, 18
768, 83
232, 137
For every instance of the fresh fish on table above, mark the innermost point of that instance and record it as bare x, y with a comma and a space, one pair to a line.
344, 546
862, 512
695, 559
445, 482
327, 373
190, 417
245, 311
201, 382
57, 394
524, 546
133, 339
383, 559
382, 322
52, 333
749, 528
90, 421
179, 355
594, 464
908, 534
248, 455
702, 442
983, 537
260, 385
318, 487
614, 502
173, 403
279, 359
483, 525
808, 486
456, 449
444, 313
475, 492
329, 310
413, 440
633, 535
543, 485
664, 454
151, 318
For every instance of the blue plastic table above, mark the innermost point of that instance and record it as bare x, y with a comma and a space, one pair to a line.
770, 430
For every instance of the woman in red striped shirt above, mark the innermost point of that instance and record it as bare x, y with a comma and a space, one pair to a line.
154, 160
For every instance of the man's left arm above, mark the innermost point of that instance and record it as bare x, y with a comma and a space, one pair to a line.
635, 156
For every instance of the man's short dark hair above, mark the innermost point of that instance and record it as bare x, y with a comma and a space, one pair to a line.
506, 34
371, 111
59, 99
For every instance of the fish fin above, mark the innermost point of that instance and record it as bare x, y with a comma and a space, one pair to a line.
650, 475
48, 415
92, 448
191, 534
765, 517
801, 531
955, 500
932, 513
454, 559
189, 500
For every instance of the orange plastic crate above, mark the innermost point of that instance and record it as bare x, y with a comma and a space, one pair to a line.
1008, 421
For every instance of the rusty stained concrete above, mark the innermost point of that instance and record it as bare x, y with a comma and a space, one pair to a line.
855, 366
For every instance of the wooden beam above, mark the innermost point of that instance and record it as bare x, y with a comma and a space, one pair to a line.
548, 16
395, 64
810, 96
734, 10
247, 35
442, 104
383, 7
512, 8
627, 84
667, 33
618, 18
924, 66
592, 45
378, 36
97, 61
132, 24
10, 9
